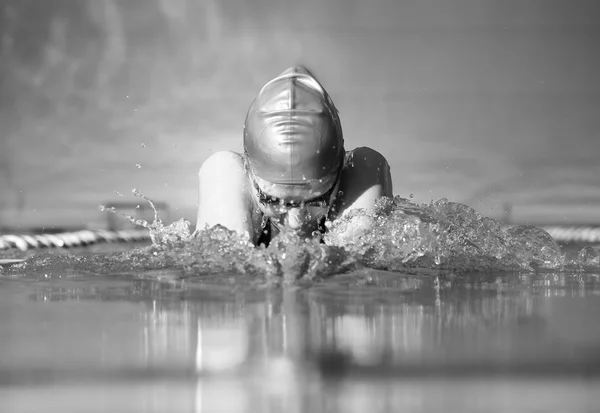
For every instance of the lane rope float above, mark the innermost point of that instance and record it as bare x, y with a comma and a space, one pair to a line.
587, 234
71, 239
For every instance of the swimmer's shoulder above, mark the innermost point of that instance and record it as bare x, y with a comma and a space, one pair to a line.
364, 151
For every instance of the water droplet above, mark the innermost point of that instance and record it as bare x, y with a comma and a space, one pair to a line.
318, 151
137, 165
143, 144
118, 193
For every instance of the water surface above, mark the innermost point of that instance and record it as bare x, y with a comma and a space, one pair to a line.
372, 340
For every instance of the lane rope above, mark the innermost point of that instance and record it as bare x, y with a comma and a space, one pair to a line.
582, 233
71, 239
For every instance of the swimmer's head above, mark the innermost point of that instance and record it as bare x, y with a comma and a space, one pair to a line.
293, 138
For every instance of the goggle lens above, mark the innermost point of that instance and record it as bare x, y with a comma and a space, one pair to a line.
277, 206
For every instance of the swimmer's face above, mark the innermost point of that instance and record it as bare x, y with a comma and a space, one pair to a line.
299, 215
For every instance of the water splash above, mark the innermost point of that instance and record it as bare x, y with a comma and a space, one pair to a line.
589, 258
534, 247
219, 250
441, 234
397, 235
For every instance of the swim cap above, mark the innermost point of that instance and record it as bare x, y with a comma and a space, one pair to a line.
293, 137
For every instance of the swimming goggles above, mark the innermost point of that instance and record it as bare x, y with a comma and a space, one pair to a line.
316, 207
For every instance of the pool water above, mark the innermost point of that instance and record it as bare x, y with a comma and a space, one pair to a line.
422, 340
433, 309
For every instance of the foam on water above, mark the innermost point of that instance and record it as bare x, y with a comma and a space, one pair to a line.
398, 234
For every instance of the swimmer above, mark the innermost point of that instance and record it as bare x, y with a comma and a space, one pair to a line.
294, 171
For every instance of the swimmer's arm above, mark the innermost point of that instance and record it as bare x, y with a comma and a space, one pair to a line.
223, 196
365, 179
366, 200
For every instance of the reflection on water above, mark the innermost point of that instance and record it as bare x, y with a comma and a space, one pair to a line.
157, 342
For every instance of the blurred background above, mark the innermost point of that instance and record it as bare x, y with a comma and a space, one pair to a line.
495, 104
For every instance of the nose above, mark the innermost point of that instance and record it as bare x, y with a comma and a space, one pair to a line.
296, 217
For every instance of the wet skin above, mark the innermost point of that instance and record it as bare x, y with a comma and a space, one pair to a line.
227, 196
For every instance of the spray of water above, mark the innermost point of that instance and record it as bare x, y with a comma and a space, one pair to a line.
442, 234
398, 235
